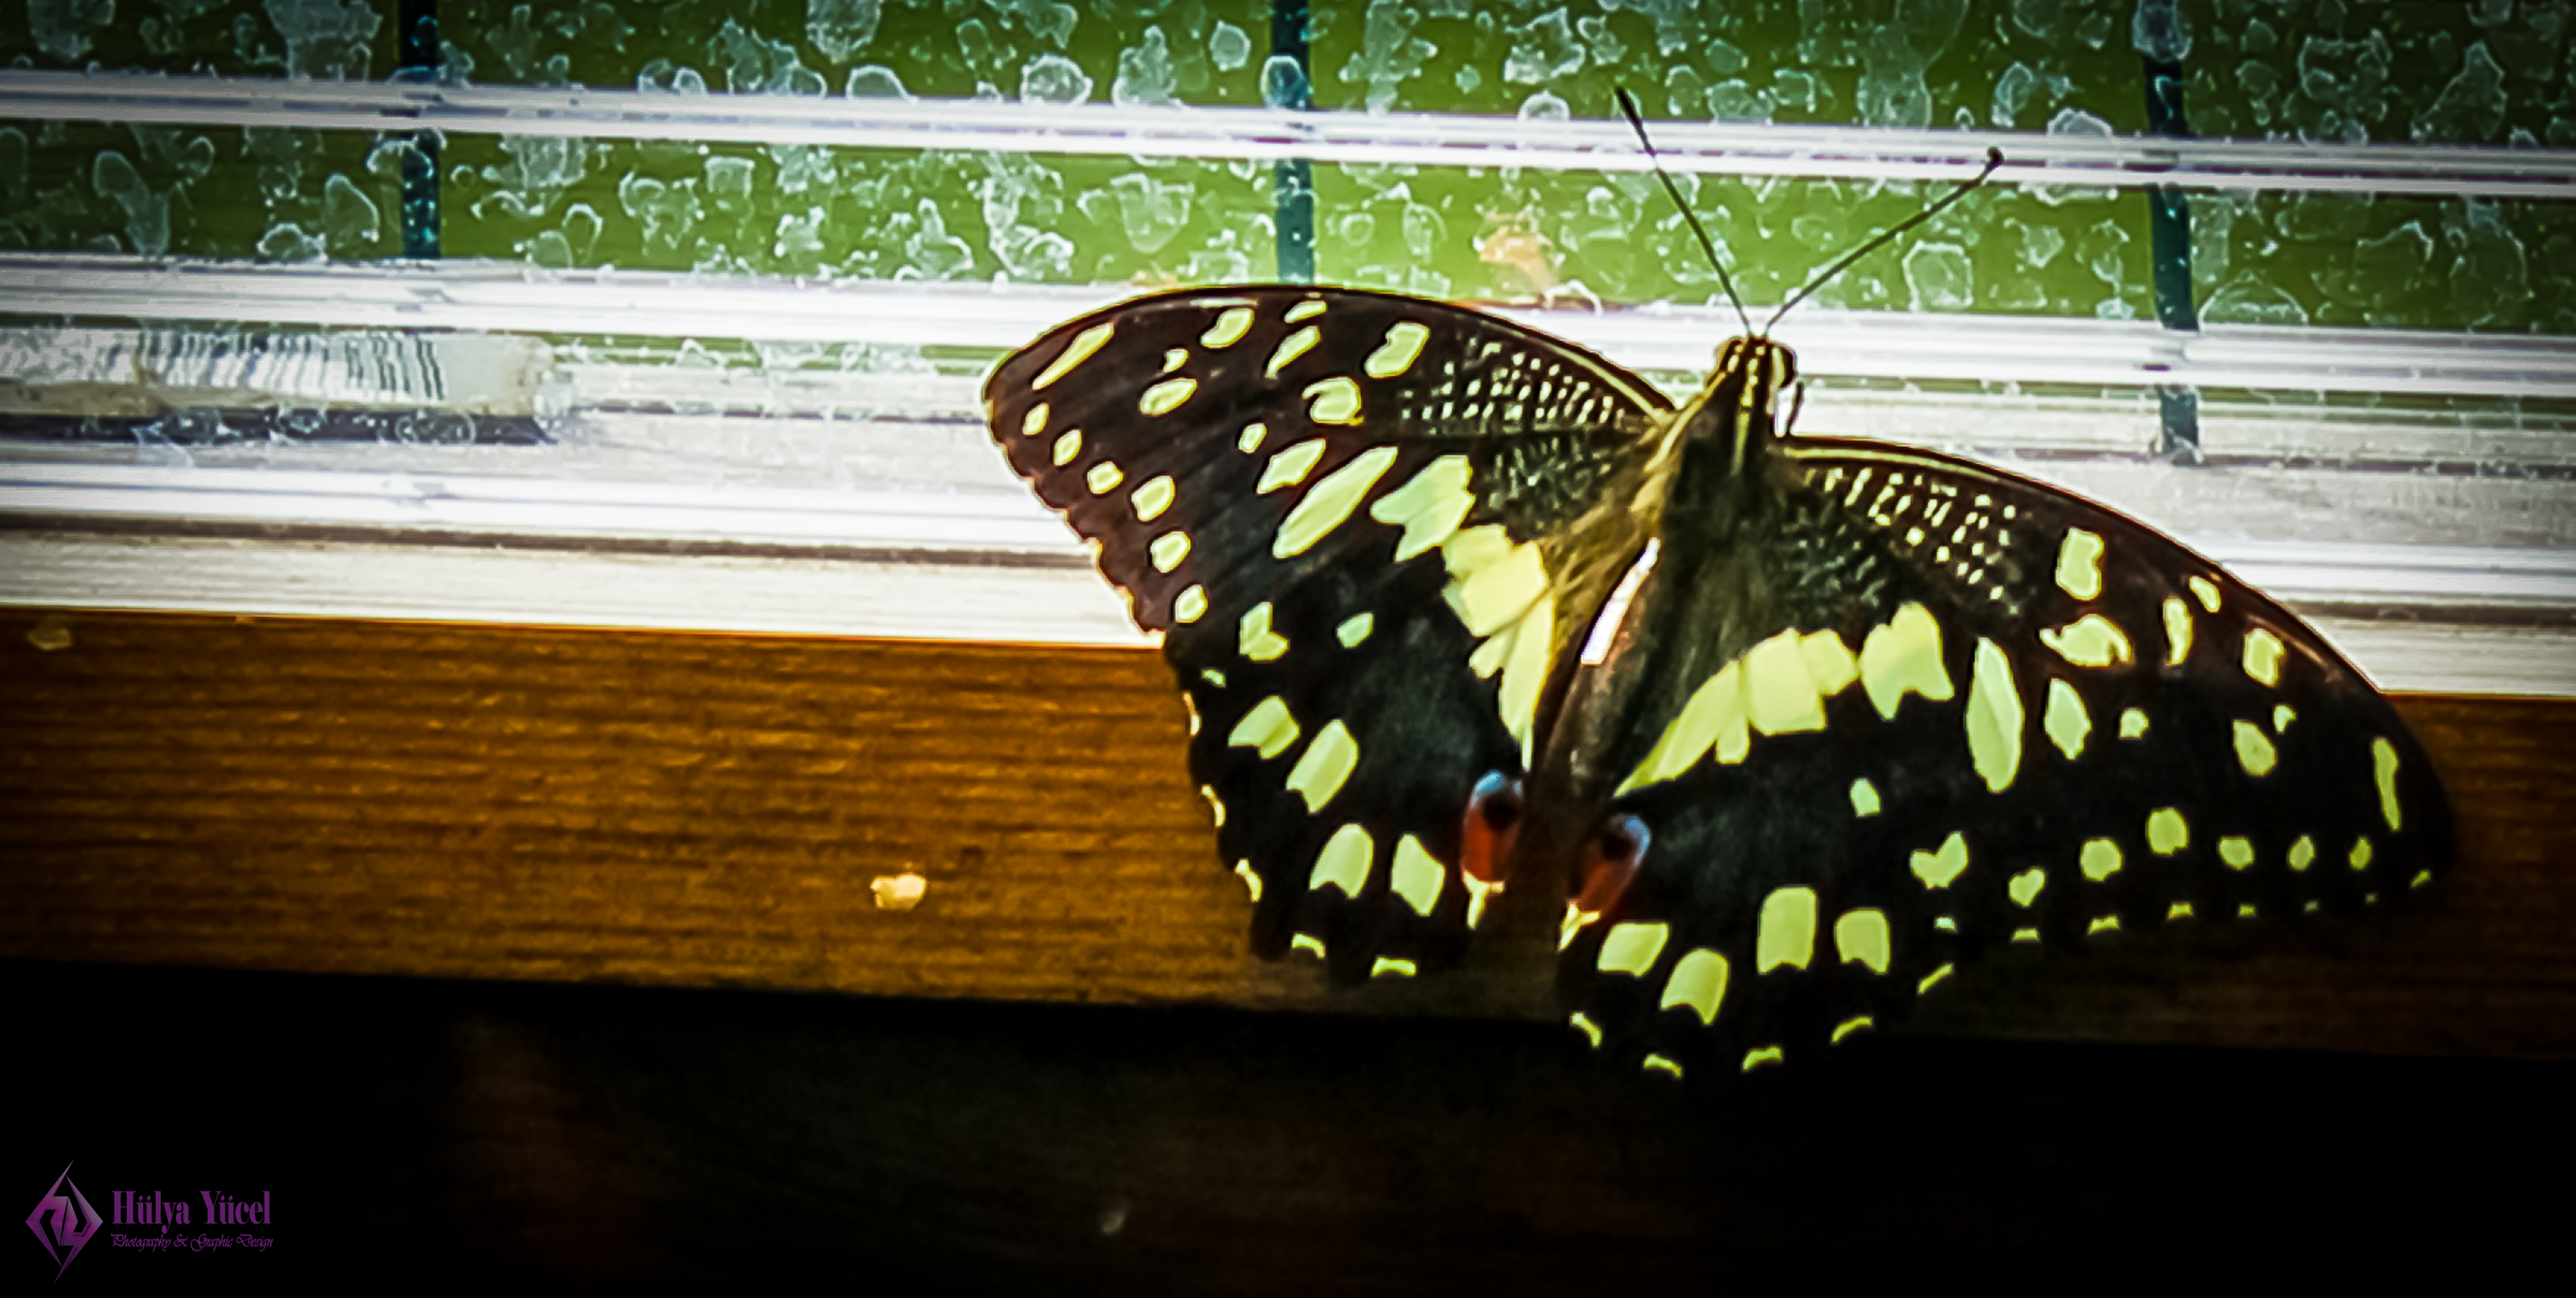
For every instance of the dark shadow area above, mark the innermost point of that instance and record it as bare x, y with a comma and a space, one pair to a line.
419, 1135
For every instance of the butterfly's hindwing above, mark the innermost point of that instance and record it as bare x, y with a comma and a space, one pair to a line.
1371, 530
1962, 711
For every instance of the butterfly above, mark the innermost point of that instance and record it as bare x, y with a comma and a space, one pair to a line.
1857, 713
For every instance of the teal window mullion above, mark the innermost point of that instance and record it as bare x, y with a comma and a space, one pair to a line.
2169, 244
416, 52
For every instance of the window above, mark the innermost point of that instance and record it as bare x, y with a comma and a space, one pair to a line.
593, 315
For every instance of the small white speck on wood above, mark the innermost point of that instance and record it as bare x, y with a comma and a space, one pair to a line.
898, 891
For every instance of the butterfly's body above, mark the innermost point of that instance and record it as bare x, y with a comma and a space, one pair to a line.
1868, 711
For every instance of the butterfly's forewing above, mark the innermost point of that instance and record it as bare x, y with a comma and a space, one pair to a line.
1960, 710
1371, 530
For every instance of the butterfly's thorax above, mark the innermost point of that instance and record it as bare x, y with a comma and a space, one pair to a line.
1735, 522
1737, 410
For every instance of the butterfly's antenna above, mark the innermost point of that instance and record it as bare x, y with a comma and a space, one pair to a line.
1994, 159
1628, 105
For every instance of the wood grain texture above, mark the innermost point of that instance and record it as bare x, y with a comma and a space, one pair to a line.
700, 810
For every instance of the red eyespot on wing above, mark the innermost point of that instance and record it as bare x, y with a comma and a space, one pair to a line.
1609, 864
1493, 821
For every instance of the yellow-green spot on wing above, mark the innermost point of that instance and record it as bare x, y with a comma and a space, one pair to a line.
1857, 1023
1901, 657
1939, 867
1190, 604
1034, 422
1659, 1064
2237, 852
2133, 724
1631, 949
1429, 506
1717, 705
2206, 591
1103, 478
1254, 637
1336, 401
2383, 767
1290, 348
2282, 716
2089, 641
2254, 749
2065, 720
1231, 324
2177, 631
1830, 663
2099, 860
2106, 924
1787, 935
1475, 549
1582, 1023
2303, 853
1860, 937
1308, 309
1067, 447
1168, 550
1174, 358
1249, 440
1344, 862
1779, 694
1074, 353
1994, 718
1322, 768
1267, 728
1289, 467
2079, 564
1151, 499
1932, 980
2024, 887
1329, 502
2263, 653
2359, 857
1489, 656
1525, 670
2167, 831
1251, 879
1418, 876
1864, 798
1388, 966
1494, 592
1356, 630
1394, 356
1698, 982
1757, 1058
1165, 397
1308, 943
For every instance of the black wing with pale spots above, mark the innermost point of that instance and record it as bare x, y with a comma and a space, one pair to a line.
1369, 528
1967, 711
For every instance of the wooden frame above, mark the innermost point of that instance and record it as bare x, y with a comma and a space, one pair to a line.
494, 802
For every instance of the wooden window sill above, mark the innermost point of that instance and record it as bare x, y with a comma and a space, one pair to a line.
656, 808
